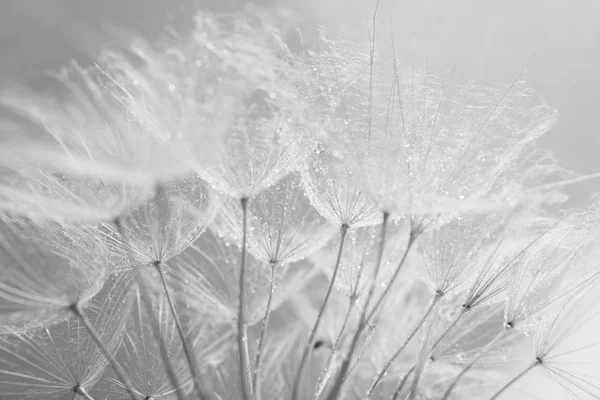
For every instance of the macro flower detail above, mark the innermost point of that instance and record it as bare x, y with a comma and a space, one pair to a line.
45, 270
64, 360
247, 208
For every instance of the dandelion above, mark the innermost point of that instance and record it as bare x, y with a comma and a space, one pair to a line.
285, 229
68, 358
45, 270
528, 306
206, 272
284, 226
411, 137
553, 355
79, 160
150, 342
164, 225
215, 216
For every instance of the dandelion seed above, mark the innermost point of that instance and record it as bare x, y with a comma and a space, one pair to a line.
284, 227
88, 160
52, 362
334, 192
141, 355
431, 181
450, 253
45, 269
556, 357
166, 224
359, 260
211, 269
400, 142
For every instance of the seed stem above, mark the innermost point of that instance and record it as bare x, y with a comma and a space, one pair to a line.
450, 327
82, 392
413, 390
323, 376
75, 308
363, 321
164, 353
398, 390
516, 378
121, 229
263, 332
411, 241
186, 348
474, 361
242, 333
388, 365
311, 338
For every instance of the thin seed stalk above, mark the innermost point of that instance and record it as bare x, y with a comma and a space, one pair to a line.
83, 393
364, 348
313, 333
189, 355
388, 365
411, 241
449, 329
352, 303
242, 333
462, 313
263, 333
363, 320
323, 376
396, 395
76, 310
164, 353
473, 362
418, 372
384, 224
516, 378
119, 225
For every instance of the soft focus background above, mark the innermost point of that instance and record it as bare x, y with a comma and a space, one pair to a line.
495, 38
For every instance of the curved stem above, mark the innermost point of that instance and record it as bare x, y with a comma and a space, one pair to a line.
242, 334
516, 378
311, 338
164, 353
76, 310
324, 373
121, 229
398, 390
412, 392
388, 365
450, 327
263, 333
364, 348
363, 321
462, 313
411, 241
186, 347
473, 362
83, 393
384, 224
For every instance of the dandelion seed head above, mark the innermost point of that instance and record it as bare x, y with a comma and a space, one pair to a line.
44, 270
285, 228
63, 355
166, 224
122, 238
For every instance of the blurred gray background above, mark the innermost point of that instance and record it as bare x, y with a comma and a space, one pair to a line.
500, 36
